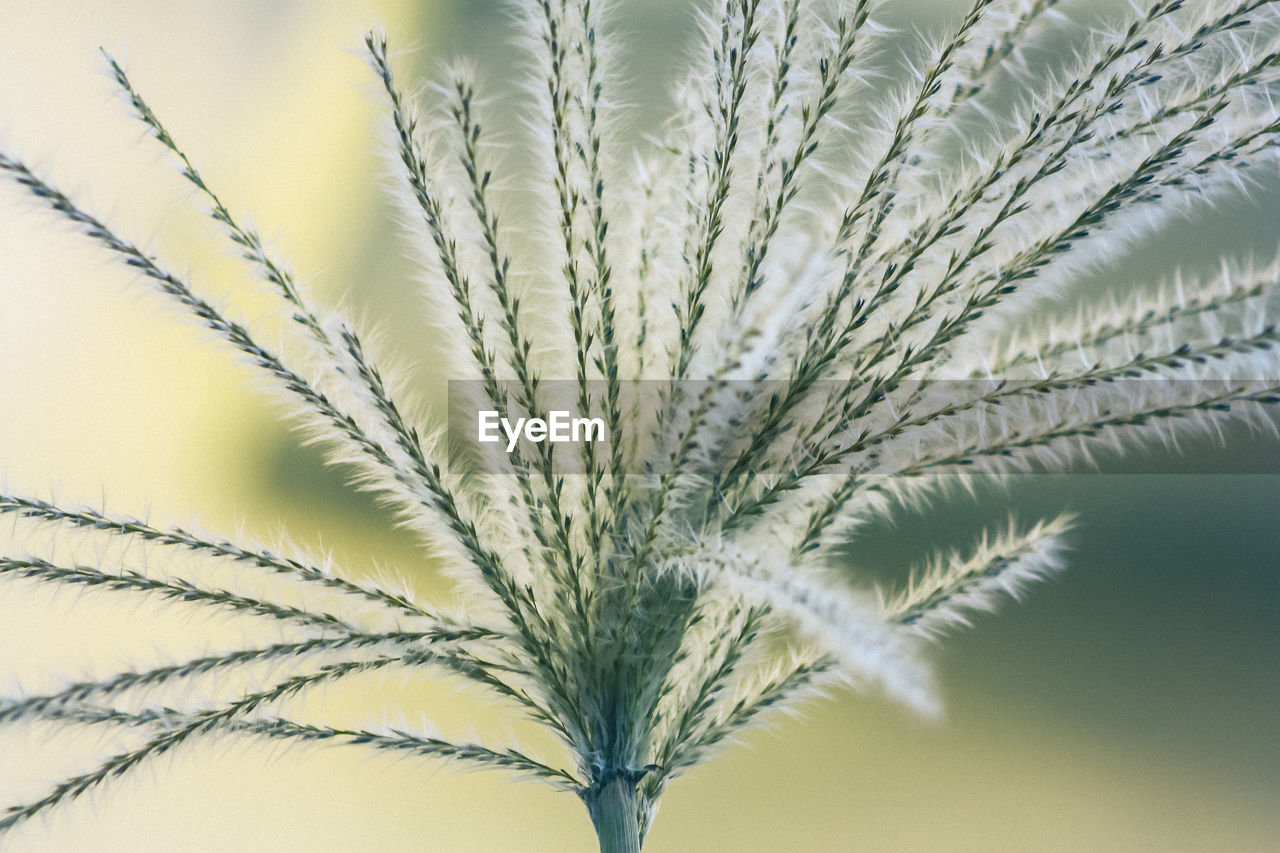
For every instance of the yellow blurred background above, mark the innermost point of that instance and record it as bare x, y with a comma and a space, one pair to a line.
1132, 705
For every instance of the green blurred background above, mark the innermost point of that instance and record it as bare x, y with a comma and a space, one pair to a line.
1131, 704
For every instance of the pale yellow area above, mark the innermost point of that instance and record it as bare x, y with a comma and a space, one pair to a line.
100, 391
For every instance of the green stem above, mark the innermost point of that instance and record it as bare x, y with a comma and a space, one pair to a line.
613, 812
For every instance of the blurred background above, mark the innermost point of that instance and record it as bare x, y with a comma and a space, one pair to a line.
1131, 704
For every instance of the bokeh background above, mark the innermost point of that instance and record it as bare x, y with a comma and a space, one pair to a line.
1132, 704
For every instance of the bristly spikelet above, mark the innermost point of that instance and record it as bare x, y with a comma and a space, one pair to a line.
951, 587
800, 306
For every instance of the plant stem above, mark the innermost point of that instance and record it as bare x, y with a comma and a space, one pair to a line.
613, 812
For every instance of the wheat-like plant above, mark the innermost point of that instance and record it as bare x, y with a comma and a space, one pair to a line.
804, 303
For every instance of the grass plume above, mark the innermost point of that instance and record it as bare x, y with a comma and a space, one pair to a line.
826, 303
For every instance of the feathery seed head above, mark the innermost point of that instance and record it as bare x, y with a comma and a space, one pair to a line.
799, 306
